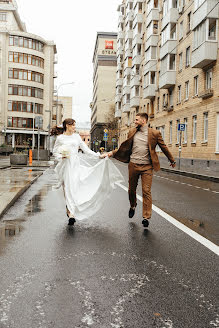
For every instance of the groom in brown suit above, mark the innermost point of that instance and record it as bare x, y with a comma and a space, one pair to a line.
139, 151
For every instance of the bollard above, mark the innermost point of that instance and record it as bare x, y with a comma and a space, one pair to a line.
30, 157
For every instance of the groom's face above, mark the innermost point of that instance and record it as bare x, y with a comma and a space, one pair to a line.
139, 121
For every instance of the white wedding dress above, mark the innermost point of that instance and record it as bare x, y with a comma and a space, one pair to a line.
87, 180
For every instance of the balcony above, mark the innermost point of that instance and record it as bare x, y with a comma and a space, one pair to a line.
121, 19
130, 16
121, 35
126, 90
138, 19
135, 81
205, 11
126, 107
128, 35
120, 51
167, 80
169, 47
119, 82
205, 54
128, 53
152, 40
135, 102
206, 94
149, 91
118, 113
171, 17
137, 60
150, 66
137, 39
118, 98
153, 15
119, 66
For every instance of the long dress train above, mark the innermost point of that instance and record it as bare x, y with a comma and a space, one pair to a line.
86, 179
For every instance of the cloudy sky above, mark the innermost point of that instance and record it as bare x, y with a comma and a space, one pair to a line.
72, 24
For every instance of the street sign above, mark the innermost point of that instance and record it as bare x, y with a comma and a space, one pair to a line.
96, 143
105, 135
105, 131
113, 139
105, 138
181, 127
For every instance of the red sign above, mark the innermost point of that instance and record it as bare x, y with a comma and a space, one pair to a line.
108, 44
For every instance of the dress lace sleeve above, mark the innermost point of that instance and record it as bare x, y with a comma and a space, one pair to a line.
56, 153
85, 148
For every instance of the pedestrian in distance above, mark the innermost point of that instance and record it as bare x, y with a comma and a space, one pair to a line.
139, 150
86, 180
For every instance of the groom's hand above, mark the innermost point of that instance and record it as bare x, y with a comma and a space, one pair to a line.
110, 154
103, 155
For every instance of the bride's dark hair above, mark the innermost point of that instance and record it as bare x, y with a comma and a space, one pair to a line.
56, 130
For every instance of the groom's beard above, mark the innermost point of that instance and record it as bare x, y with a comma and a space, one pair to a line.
138, 127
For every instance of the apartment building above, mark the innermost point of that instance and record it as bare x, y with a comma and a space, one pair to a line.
168, 66
104, 79
26, 81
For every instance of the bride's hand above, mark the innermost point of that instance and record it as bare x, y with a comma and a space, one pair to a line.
103, 155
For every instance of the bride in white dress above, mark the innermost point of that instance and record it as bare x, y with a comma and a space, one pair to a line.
86, 180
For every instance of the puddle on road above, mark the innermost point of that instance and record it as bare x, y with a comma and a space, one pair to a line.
11, 228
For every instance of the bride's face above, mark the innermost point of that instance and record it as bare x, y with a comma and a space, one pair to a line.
70, 128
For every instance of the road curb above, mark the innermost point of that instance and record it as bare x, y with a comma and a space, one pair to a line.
192, 175
19, 194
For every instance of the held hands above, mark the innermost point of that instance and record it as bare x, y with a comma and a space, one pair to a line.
110, 154
103, 155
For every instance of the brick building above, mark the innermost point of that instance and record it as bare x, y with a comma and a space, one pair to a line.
168, 66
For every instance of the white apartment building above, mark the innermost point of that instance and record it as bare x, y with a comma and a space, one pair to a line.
26, 81
168, 66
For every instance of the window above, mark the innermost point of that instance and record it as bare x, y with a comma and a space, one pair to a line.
217, 140
189, 22
172, 62
178, 132
205, 136
194, 128
187, 56
181, 30
187, 90
180, 61
185, 133
170, 132
208, 77
196, 85
179, 93
22, 90
212, 28
10, 57
3, 17
9, 122
158, 104
10, 105
25, 42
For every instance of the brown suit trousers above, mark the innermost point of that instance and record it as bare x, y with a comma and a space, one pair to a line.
146, 173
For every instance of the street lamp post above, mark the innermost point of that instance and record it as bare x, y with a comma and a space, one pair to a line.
57, 101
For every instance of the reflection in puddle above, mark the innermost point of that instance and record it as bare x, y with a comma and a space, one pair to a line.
10, 228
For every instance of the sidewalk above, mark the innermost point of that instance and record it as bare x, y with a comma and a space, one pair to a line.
13, 183
198, 173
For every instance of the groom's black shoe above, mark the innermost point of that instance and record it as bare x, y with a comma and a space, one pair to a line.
145, 223
71, 221
131, 212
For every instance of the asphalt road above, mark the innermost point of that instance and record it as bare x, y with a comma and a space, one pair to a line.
106, 271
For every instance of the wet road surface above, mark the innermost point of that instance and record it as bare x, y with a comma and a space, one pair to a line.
106, 271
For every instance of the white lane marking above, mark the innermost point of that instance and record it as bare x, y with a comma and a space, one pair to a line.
187, 184
205, 242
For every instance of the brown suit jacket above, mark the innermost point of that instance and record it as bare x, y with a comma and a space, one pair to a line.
154, 138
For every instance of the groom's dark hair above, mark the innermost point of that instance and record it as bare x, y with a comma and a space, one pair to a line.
143, 115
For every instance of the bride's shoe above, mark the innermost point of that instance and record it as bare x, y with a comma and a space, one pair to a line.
71, 221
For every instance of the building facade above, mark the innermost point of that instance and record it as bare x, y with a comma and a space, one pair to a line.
26, 81
168, 66
104, 79
67, 107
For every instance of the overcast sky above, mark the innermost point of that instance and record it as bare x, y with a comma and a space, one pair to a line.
73, 25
